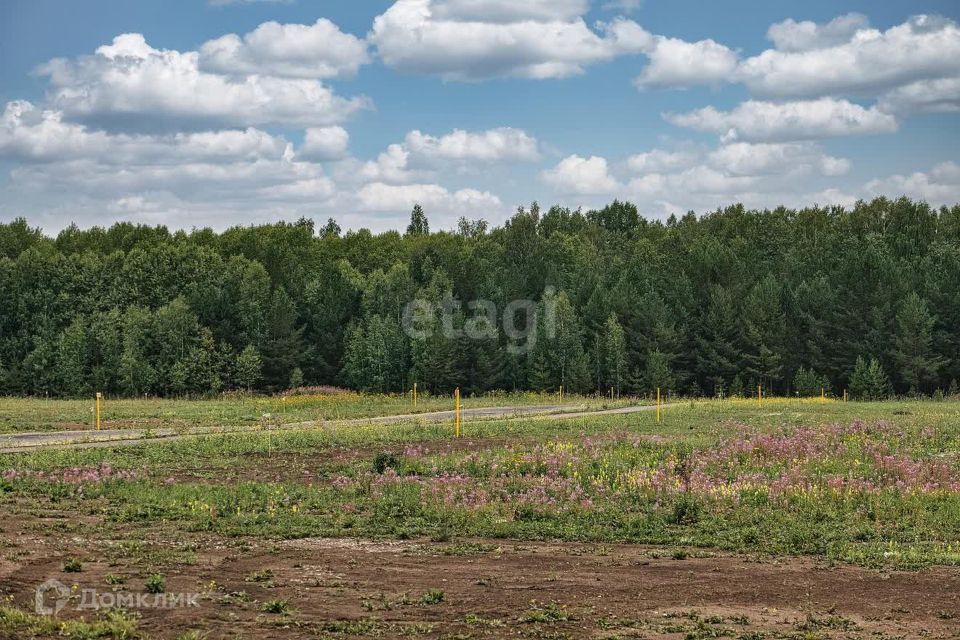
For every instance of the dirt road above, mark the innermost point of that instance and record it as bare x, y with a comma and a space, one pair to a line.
29, 441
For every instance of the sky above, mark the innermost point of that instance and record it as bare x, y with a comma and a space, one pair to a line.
215, 113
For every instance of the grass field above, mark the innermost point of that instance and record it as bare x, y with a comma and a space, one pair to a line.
35, 414
861, 487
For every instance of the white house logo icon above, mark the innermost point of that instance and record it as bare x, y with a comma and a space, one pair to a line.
57, 590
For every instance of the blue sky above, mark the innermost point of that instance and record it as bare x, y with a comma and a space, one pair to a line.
154, 112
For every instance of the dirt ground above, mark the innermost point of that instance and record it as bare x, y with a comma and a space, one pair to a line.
490, 588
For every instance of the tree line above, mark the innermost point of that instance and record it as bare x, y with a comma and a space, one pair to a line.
865, 298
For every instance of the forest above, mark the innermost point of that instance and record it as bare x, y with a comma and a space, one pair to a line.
865, 299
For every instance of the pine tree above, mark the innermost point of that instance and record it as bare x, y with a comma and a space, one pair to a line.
736, 387
658, 372
717, 351
764, 329
296, 378
283, 345
869, 381
917, 361
558, 358
808, 383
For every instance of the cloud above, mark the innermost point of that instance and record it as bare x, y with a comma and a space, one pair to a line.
472, 40
913, 66
30, 134
627, 6
386, 197
658, 160
392, 166
217, 177
677, 63
130, 83
315, 51
742, 158
941, 95
866, 61
324, 143
941, 185
760, 121
507, 11
493, 145
663, 181
577, 175
421, 155
794, 36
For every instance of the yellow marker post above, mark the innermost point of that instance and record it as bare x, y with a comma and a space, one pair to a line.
823, 395
414, 394
456, 394
759, 395
658, 405
99, 396
561, 394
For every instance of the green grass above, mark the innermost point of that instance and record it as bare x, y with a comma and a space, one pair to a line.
112, 625
37, 414
580, 479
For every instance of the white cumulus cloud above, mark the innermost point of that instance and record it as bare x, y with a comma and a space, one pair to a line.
493, 145
468, 40
940, 185
677, 63
940, 95
800, 120
868, 61
318, 51
791, 35
765, 158
31, 134
130, 81
378, 196
578, 175
324, 143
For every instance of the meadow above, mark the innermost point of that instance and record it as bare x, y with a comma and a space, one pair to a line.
42, 414
872, 486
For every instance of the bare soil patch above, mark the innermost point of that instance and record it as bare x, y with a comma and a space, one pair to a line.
490, 588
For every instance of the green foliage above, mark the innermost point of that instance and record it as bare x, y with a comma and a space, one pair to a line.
385, 460
155, 583
247, 368
434, 596
72, 565
917, 360
296, 378
418, 222
807, 383
276, 606
869, 381
700, 303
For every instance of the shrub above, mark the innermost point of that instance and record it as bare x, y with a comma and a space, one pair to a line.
276, 606
434, 596
385, 460
72, 565
155, 583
